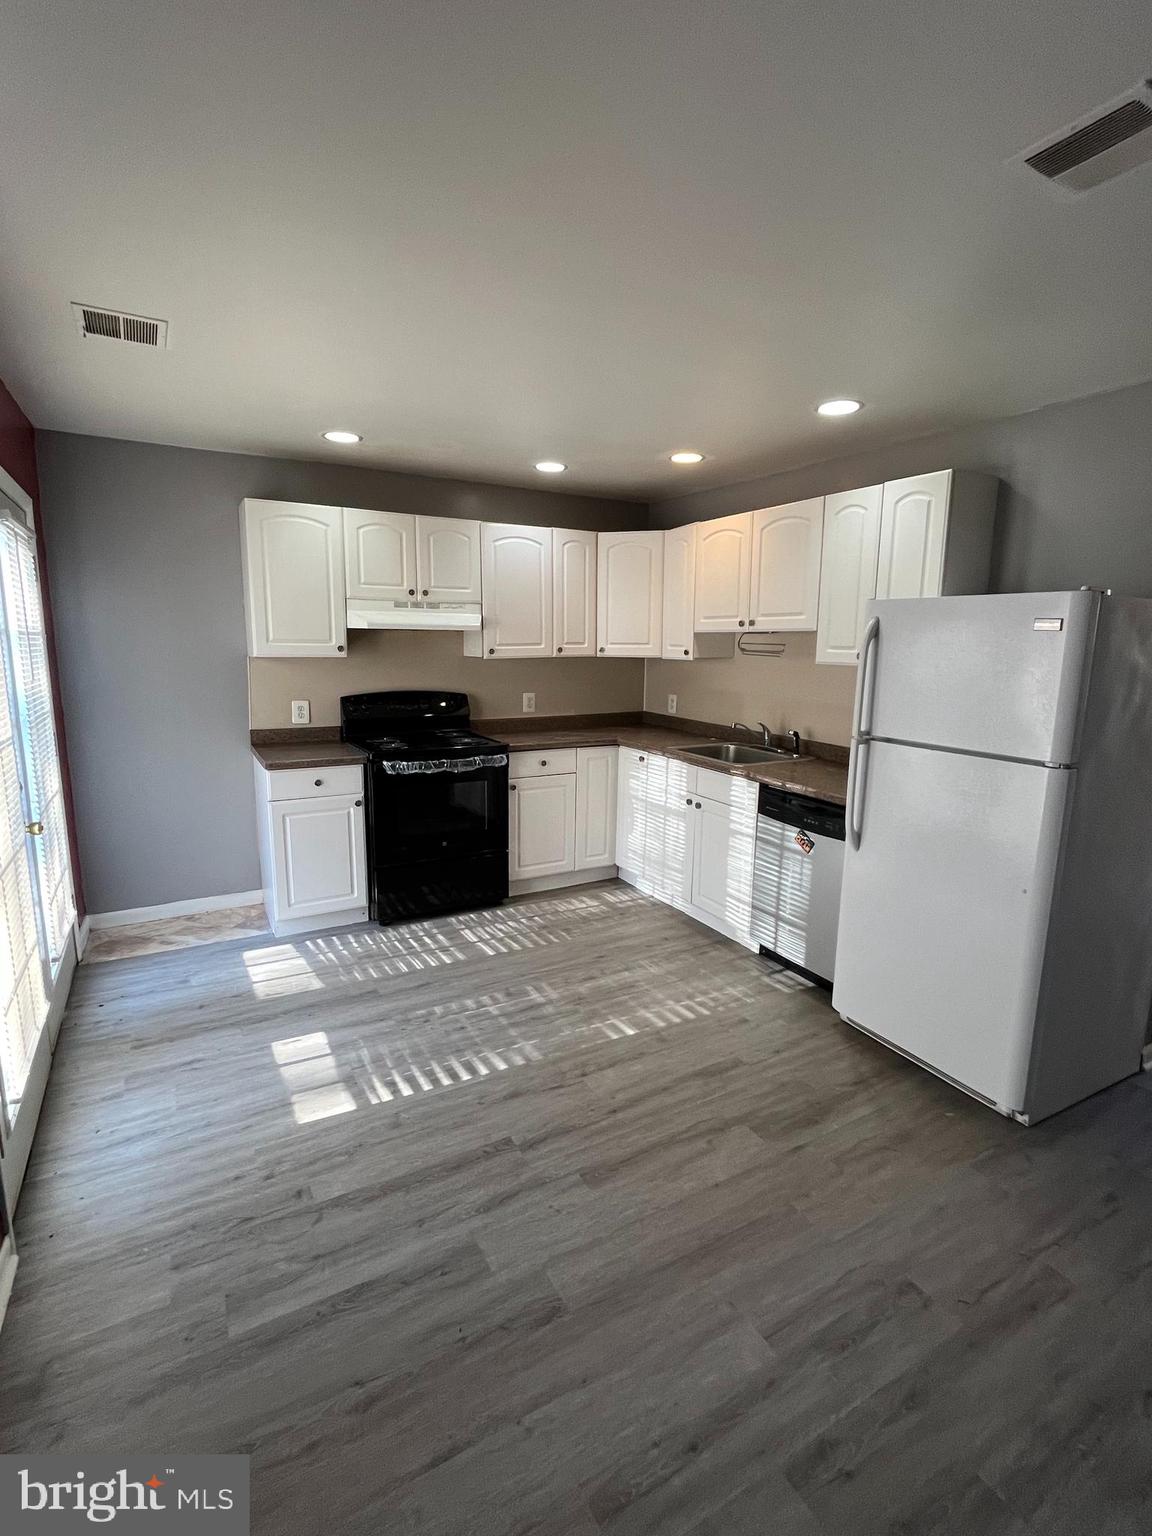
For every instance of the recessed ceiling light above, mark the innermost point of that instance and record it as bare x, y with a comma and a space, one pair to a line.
687, 456
838, 407
551, 467
342, 437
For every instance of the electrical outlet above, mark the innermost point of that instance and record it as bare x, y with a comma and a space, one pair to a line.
529, 705
301, 712
671, 703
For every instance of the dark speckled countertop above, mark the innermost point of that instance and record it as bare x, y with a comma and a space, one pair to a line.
306, 754
815, 776
821, 777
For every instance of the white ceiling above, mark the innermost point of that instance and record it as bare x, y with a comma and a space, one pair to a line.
483, 232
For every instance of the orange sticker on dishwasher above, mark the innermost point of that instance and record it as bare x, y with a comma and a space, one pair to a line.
804, 842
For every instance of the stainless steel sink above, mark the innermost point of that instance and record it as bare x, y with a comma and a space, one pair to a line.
737, 752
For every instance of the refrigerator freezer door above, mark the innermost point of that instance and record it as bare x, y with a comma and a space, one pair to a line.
945, 909
1000, 675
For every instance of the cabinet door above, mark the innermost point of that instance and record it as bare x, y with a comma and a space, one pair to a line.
913, 530
630, 593
574, 591
847, 572
448, 559
379, 554
631, 812
679, 592
723, 574
517, 584
596, 806
318, 855
541, 826
294, 578
670, 871
723, 849
786, 565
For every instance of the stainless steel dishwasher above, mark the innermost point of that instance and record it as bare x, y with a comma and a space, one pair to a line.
796, 881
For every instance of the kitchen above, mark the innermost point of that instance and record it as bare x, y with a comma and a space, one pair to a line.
578, 880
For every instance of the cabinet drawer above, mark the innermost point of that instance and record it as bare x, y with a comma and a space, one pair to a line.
312, 783
535, 765
724, 788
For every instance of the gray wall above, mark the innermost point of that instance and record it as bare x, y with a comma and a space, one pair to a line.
1076, 507
144, 562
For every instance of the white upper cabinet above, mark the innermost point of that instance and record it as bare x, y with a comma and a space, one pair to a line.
936, 534
448, 559
380, 554
293, 556
848, 571
679, 641
786, 565
517, 565
913, 524
723, 574
574, 591
630, 593
926, 536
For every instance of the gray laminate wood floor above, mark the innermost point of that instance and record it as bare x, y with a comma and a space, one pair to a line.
570, 1218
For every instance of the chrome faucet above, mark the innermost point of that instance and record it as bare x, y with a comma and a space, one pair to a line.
738, 725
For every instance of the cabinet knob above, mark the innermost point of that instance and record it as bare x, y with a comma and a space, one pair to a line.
643, 759
741, 623
751, 622
698, 807
685, 653
423, 591
559, 650
411, 591
511, 788
339, 647
359, 802
543, 762
317, 782
688, 801
491, 650
601, 650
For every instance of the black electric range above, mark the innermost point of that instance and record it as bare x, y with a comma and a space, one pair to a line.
437, 803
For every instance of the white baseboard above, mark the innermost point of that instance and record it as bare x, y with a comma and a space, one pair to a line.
175, 909
558, 882
8, 1262
83, 934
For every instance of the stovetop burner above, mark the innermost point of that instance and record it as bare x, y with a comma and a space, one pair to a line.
432, 744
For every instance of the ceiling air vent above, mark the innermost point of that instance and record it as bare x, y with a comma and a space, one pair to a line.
115, 325
1105, 143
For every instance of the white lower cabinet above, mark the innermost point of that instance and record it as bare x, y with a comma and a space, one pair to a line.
687, 836
313, 852
596, 806
541, 826
562, 815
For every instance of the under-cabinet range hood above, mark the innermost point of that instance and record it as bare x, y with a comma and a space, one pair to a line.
378, 613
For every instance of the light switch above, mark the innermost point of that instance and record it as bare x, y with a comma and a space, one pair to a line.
529, 705
301, 712
671, 703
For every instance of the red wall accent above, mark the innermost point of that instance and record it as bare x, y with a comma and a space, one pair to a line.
18, 457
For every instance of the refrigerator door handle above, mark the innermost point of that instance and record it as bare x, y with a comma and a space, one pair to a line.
857, 784
866, 679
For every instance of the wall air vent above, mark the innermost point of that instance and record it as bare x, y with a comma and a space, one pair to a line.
115, 325
1115, 138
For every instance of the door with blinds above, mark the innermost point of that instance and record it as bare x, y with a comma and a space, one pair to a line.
37, 952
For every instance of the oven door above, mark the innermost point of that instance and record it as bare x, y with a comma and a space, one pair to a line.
438, 810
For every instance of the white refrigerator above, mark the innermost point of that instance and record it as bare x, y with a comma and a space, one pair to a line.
996, 913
